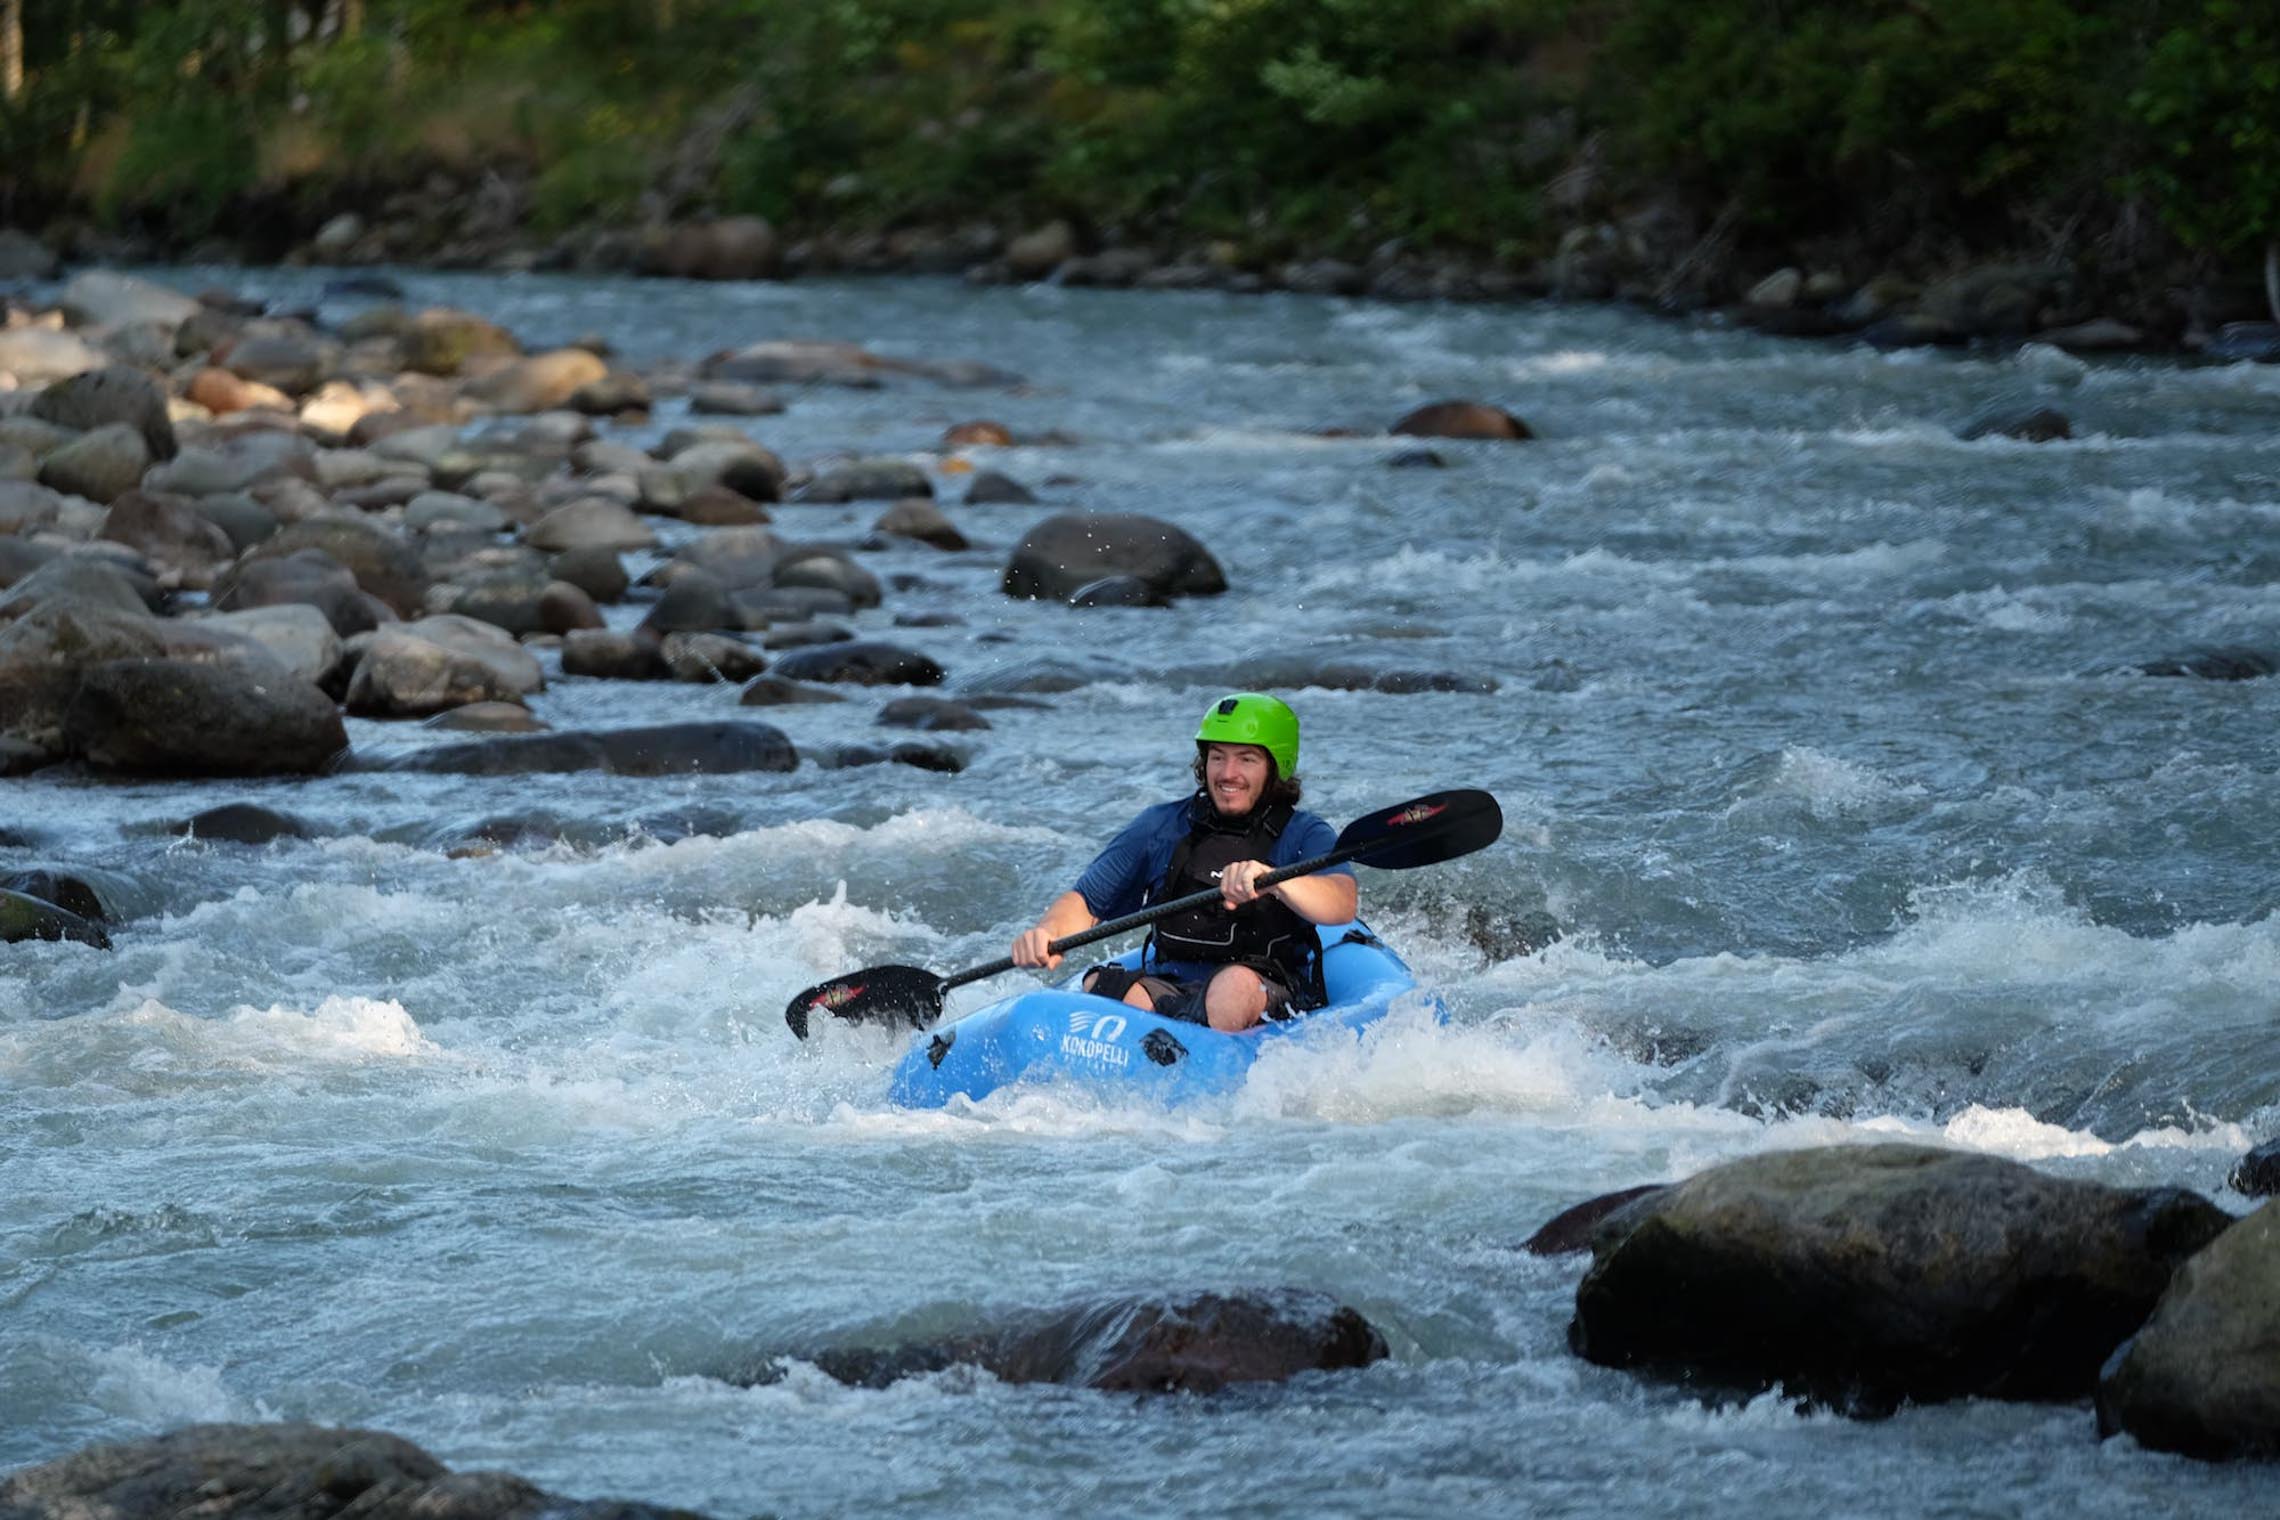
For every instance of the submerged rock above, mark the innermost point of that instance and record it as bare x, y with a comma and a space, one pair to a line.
2228, 664
860, 663
242, 823
284, 1472
2257, 1174
1463, 419
25, 917
1198, 1344
1571, 1229
178, 717
1071, 550
2203, 1376
1865, 1275
66, 892
665, 750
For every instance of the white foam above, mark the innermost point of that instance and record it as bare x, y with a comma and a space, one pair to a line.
133, 1384
1832, 787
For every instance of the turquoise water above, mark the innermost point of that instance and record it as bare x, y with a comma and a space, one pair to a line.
1814, 726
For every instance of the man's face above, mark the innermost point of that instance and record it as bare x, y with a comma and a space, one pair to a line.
1236, 776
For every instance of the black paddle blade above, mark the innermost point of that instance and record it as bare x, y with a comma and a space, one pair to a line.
1425, 831
877, 995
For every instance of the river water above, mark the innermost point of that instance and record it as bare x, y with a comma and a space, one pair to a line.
1815, 727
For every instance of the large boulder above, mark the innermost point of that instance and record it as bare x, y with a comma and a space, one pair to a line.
27, 916
284, 1472
411, 670
1865, 1275
860, 663
1463, 419
297, 636
1198, 1344
670, 749
385, 564
2203, 1376
114, 393
308, 577
168, 531
540, 383
101, 465
1073, 549
178, 717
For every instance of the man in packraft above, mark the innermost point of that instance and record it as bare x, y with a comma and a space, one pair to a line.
1251, 955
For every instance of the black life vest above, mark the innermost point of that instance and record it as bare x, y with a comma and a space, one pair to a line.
1267, 935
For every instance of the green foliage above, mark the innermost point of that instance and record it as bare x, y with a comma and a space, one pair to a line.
2210, 104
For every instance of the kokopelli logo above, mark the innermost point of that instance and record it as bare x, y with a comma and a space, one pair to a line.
1099, 1026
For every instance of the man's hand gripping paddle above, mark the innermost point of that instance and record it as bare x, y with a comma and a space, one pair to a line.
1422, 832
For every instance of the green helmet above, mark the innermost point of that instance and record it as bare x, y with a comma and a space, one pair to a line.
1252, 717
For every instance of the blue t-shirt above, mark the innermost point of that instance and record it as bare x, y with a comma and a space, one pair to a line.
1137, 858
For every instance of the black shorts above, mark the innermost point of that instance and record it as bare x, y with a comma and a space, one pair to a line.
1179, 997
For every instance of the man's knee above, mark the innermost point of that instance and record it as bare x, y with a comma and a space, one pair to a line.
1236, 999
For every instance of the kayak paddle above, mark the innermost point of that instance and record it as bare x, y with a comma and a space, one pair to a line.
1422, 832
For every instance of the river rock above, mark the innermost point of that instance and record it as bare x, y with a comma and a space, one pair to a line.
1462, 419
511, 599
242, 823
1073, 549
308, 577
592, 523
980, 434
176, 717
860, 663
423, 667
169, 532
111, 394
870, 480
564, 608
240, 464
2233, 663
1869, 1274
385, 564
733, 398
732, 248
225, 394
488, 718
608, 655
27, 507
40, 355
2100, 335
694, 602
1036, 254
26, 916
2234, 343
2040, 424
2001, 300
932, 714
1198, 1344
708, 657
100, 298
666, 750
539, 383
1118, 591
597, 572
616, 394
243, 520
1571, 1229
993, 488
69, 893
284, 1472
814, 567
719, 507
284, 356
429, 510
2257, 1174
82, 579
804, 635
101, 465
923, 521
441, 341
298, 636
740, 465
775, 691
2203, 1376
739, 559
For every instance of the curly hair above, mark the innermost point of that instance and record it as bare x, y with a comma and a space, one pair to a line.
1280, 788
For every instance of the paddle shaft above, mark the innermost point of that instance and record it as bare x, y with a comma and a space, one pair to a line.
1149, 915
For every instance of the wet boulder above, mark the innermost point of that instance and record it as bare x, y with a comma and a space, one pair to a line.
694, 602
1118, 591
719, 507
242, 823
860, 662
2203, 1376
1071, 550
1198, 1344
995, 488
819, 568
607, 655
870, 480
708, 657
101, 465
24, 916
597, 572
489, 718
932, 715
414, 669
169, 532
732, 398
921, 520
304, 577
738, 464
739, 559
179, 718
2232, 663
295, 634
672, 749
1571, 1229
1463, 419
69, 893
775, 691
111, 394
1866, 1275
385, 564
2041, 424
284, 1472
2257, 1174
